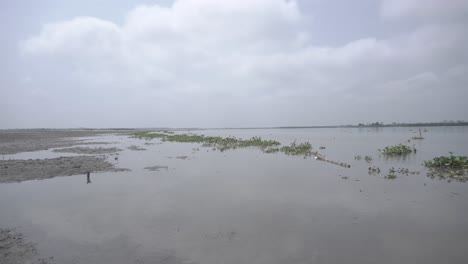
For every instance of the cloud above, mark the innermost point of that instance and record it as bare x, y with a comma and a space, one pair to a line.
432, 9
241, 63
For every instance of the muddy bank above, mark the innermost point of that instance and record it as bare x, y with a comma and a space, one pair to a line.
23, 170
84, 150
14, 249
23, 140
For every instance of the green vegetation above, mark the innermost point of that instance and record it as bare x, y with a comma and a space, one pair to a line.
416, 138
298, 149
448, 162
225, 143
358, 157
207, 141
368, 159
397, 150
448, 167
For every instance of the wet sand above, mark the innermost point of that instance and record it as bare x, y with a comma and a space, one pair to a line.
17, 141
84, 150
15, 249
24, 170
14, 141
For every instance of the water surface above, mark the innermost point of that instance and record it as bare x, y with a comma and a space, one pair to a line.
244, 206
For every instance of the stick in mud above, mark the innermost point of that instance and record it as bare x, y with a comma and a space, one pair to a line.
88, 178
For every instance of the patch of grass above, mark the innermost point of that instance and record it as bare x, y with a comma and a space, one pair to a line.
397, 150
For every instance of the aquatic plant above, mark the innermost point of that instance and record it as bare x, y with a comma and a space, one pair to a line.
358, 157
448, 167
391, 174
368, 159
448, 162
374, 170
220, 143
399, 149
298, 149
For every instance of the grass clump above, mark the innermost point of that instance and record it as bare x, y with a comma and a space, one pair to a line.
397, 150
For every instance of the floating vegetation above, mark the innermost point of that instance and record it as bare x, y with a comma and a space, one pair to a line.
358, 157
416, 138
448, 167
397, 150
449, 162
391, 174
448, 174
294, 149
406, 171
368, 159
225, 143
374, 170
219, 143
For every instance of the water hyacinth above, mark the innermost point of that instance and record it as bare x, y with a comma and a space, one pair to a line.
225, 143
397, 150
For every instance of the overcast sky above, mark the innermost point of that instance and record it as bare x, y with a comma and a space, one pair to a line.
231, 63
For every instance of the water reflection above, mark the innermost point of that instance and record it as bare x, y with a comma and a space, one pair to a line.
243, 206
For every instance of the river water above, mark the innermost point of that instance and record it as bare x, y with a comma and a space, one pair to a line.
244, 206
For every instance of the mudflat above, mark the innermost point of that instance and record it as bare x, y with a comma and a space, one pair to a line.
14, 141
17, 141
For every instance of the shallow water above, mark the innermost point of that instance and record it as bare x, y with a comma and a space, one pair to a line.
244, 206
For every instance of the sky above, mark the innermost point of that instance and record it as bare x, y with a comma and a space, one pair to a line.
231, 63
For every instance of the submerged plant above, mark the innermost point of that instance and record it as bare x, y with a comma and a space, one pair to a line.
397, 150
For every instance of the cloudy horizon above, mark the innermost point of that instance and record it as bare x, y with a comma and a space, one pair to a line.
233, 63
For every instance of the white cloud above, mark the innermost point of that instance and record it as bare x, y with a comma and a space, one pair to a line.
433, 9
226, 63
